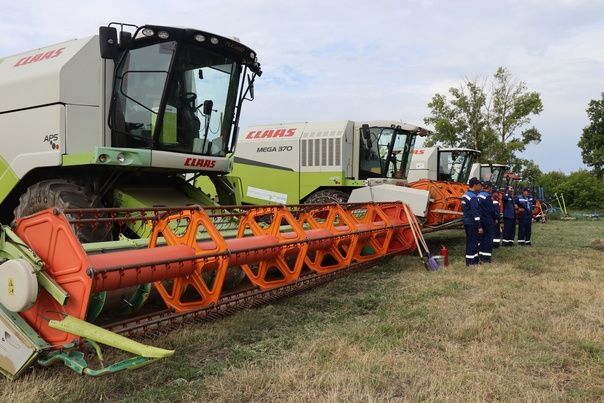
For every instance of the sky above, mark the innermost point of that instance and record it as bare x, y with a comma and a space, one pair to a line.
368, 60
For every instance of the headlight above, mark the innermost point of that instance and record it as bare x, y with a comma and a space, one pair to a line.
214, 40
200, 38
163, 35
148, 32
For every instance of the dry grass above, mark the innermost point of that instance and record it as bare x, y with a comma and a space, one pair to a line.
528, 327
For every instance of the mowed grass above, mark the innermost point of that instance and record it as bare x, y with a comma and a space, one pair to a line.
530, 326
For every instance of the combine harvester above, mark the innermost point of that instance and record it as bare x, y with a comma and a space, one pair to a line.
98, 137
334, 162
444, 172
321, 162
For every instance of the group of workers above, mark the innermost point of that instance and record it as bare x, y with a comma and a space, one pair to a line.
483, 208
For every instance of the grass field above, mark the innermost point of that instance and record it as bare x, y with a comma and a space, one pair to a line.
528, 327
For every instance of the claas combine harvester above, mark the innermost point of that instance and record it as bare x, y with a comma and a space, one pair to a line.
442, 175
105, 236
340, 161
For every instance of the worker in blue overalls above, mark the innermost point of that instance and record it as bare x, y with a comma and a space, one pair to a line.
509, 217
487, 220
525, 203
471, 221
496, 195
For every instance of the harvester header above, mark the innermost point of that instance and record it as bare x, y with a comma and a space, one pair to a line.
58, 286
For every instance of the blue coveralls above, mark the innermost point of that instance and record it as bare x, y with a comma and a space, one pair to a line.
525, 219
497, 233
487, 219
509, 220
471, 223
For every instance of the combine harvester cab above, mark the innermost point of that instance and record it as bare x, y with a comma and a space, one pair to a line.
494, 173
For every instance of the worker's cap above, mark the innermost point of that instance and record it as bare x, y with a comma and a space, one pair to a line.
487, 184
526, 189
474, 181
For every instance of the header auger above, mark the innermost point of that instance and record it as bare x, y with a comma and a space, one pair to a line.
186, 258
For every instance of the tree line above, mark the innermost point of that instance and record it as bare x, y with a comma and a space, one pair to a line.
493, 115
581, 189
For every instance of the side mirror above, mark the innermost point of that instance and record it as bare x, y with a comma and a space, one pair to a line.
108, 43
208, 104
125, 40
250, 84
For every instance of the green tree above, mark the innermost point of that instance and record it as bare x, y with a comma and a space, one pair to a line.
592, 139
461, 121
494, 121
552, 182
513, 107
582, 189
530, 171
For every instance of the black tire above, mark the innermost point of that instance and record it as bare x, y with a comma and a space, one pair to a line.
62, 194
327, 196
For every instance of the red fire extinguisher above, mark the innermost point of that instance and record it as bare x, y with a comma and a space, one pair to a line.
445, 254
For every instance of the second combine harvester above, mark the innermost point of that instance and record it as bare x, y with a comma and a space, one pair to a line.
327, 162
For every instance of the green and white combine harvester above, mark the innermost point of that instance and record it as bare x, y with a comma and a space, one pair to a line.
112, 120
316, 162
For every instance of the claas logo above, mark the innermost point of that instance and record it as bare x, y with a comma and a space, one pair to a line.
51, 54
270, 134
200, 163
